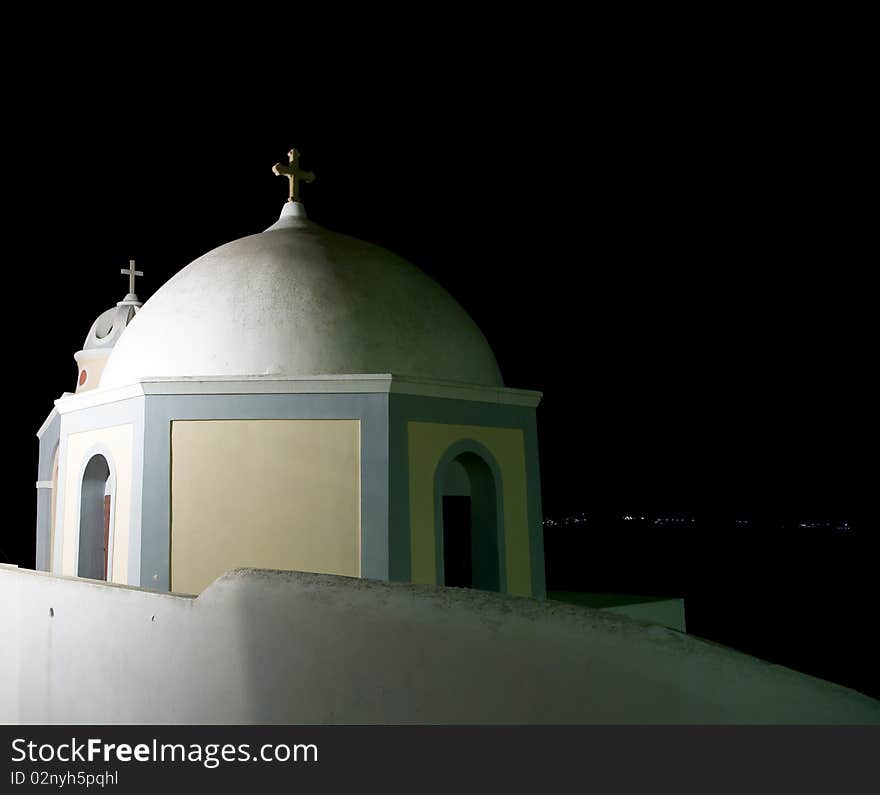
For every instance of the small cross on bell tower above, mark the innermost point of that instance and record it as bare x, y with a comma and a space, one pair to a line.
294, 174
132, 274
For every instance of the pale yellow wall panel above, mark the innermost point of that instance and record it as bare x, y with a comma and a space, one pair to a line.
282, 494
428, 441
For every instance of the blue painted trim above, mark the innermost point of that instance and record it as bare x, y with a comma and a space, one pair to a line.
536, 513
399, 531
375, 553
415, 408
48, 445
154, 570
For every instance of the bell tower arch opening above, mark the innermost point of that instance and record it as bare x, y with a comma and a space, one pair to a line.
95, 520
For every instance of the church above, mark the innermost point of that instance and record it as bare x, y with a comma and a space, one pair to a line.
296, 399
292, 488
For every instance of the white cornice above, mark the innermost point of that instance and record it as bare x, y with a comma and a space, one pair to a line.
96, 397
316, 384
266, 384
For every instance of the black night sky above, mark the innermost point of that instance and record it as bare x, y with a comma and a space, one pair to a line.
668, 252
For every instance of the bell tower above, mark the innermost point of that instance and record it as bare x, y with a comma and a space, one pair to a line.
104, 333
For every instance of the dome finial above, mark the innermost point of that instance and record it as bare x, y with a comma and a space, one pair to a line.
294, 174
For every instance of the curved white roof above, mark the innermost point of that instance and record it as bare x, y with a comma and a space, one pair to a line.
298, 299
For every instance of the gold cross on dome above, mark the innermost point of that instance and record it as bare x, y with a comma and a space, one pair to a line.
294, 174
132, 274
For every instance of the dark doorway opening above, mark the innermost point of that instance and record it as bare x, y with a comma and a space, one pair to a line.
457, 558
470, 526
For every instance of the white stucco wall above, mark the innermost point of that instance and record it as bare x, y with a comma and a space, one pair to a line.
283, 647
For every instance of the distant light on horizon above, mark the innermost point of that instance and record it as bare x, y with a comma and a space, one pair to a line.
668, 520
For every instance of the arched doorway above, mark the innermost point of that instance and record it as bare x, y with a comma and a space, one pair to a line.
469, 522
95, 513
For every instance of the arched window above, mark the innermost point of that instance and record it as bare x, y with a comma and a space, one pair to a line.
469, 522
95, 514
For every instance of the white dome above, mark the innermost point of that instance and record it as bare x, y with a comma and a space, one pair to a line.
295, 300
